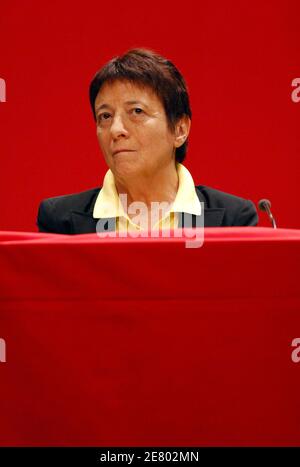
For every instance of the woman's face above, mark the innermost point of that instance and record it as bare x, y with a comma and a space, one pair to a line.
131, 119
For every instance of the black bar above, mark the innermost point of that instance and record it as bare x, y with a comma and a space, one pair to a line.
98, 456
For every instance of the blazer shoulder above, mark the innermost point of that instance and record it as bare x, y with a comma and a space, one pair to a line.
238, 211
54, 213
218, 199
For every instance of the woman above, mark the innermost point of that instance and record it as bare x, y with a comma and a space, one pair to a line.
141, 107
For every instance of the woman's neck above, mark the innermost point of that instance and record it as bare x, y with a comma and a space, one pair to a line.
160, 187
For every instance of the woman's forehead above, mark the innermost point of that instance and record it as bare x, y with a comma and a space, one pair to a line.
122, 90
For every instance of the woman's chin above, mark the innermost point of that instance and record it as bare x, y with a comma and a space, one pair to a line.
126, 169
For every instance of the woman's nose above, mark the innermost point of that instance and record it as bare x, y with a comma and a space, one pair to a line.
118, 127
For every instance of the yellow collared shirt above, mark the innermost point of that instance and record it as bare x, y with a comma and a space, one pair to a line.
108, 204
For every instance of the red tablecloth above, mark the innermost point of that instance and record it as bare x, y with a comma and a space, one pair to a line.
128, 342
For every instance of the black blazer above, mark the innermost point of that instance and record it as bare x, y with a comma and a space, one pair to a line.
73, 214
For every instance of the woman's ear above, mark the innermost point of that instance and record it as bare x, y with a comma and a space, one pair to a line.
182, 129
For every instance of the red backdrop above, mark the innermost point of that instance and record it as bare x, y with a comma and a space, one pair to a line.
239, 61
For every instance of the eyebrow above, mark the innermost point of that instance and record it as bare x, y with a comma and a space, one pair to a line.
106, 106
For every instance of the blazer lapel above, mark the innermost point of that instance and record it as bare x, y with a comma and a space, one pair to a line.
212, 218
83, 222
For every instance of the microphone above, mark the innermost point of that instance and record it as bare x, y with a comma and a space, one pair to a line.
265, 205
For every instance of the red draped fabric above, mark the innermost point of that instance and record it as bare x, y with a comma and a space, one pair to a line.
139, 342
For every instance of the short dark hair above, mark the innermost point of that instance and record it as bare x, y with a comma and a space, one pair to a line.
150, 69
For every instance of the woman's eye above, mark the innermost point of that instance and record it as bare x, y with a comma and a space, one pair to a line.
104, 116
137, 110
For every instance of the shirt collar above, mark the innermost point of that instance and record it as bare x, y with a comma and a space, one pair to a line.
186, 199
108, 204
